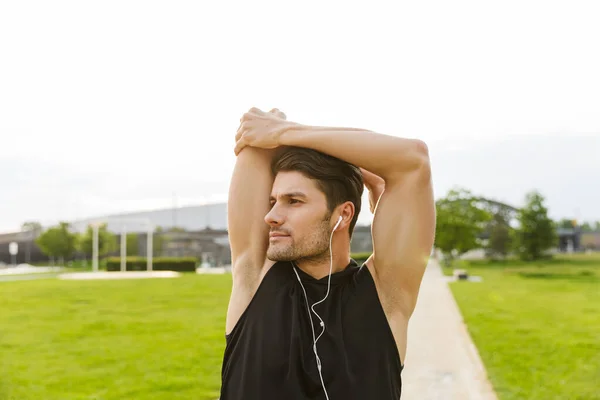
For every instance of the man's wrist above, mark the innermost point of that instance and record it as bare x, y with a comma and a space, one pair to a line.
286, 138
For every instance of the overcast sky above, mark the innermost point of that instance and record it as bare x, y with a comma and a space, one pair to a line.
125, 105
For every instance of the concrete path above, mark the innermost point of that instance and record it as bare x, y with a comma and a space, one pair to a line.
441, 361
25, 272
26, 277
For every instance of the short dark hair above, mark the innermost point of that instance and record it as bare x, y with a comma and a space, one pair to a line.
338, 180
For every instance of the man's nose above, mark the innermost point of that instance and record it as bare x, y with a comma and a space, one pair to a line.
274, 218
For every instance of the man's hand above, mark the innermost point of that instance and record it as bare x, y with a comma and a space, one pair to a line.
261, 129
278, 113
375, 185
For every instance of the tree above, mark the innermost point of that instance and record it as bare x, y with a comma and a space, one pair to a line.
566, 223
537, 232
459, 222
33, 230
107, 241
58, 241
586, 227
500, 239
133, 247
597, 226
158, 241
32, 226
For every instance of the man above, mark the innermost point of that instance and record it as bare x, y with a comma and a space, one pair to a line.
304, 320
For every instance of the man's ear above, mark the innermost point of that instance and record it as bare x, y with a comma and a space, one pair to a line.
347, 211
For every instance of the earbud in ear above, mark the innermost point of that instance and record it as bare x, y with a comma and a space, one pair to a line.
338, 223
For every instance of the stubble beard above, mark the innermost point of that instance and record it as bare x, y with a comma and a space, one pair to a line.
312, 249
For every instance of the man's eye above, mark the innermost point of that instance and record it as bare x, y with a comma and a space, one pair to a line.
293, 201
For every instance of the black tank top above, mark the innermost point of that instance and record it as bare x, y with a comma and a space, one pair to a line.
269, 353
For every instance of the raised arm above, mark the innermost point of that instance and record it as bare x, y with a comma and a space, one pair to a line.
403, 233
248, 203
404, 223
247, 206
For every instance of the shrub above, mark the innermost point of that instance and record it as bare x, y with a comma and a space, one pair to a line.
178, 264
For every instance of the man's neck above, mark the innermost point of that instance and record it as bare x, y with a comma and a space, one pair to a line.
319, 269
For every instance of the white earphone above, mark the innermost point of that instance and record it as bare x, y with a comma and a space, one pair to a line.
338, 223
318, 302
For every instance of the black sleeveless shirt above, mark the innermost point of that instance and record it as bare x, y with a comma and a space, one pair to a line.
269, 354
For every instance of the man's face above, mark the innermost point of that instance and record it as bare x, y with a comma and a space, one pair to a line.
299, 219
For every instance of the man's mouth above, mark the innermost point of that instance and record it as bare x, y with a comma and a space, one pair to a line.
277, 235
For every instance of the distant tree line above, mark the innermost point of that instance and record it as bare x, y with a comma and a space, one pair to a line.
466, 222
61, 243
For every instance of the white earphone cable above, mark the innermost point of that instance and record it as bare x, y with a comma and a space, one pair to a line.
312, 329
318, 359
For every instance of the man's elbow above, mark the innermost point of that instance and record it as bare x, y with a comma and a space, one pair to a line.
421, 148
423, 162
413, 162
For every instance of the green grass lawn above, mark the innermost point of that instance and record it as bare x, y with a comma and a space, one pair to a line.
536, 326
99, 340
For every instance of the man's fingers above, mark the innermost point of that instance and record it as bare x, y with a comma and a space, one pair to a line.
247, 117
253, 113
244, 126
365, 172
239, 145
239, 129
278, 112
371, 177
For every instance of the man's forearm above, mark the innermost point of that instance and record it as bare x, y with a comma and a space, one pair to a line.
384, 155
249, 191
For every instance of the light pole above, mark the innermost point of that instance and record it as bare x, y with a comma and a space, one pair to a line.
150, 229
149, 249
123, 248
95, 227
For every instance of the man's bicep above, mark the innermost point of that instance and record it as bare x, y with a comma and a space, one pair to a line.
403, 234
247, 206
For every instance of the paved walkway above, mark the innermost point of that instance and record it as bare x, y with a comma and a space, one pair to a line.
26, 272
441, 361
26, 277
